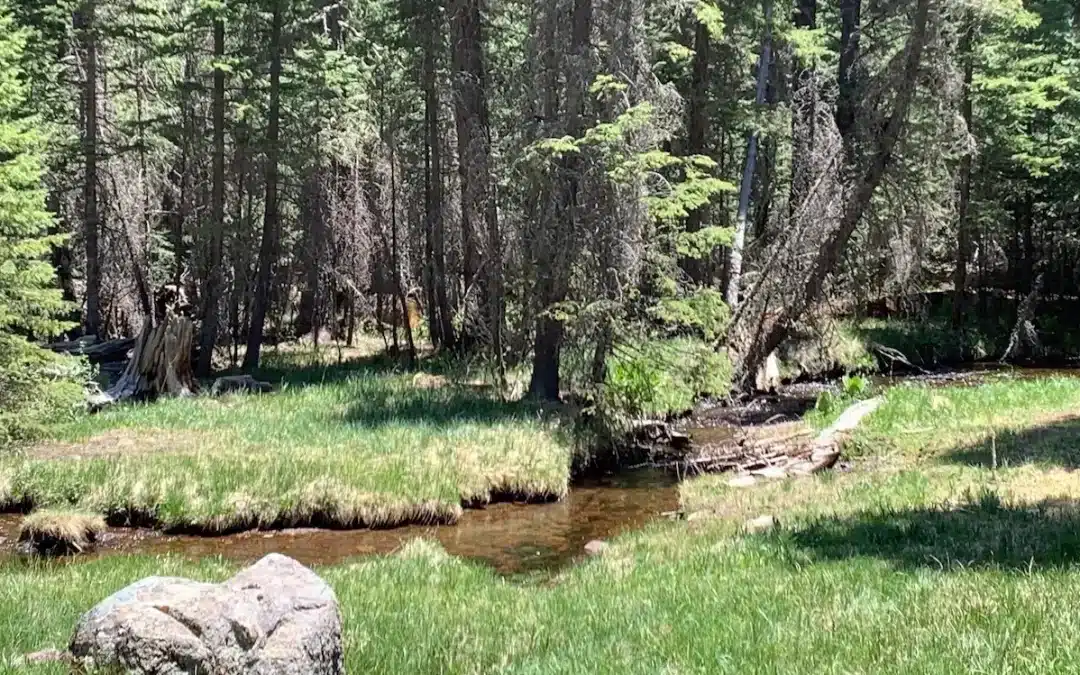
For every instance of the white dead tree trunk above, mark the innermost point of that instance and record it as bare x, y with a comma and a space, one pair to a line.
739, 243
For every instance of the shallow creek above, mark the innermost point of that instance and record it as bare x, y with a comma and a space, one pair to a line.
511, 538
519, 538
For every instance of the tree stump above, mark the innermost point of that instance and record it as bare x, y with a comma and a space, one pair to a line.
161, 363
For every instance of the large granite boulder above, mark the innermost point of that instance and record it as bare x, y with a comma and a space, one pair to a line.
277, 617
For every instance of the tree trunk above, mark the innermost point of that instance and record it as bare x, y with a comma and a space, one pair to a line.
478, 200
160, 364
739, 243
311, 313
869, 178
86, 27
963, 235
847, 77
561, 229
269, 246
697, 136
804, 113
212, 289
436, 224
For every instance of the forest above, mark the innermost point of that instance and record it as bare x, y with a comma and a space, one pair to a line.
539, 336
576, 191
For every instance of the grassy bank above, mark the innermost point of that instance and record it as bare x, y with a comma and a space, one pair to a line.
923, 559
355, 445
671, 600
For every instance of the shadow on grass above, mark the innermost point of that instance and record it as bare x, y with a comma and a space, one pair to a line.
300, 372
983, 533
1056, 444
445, 406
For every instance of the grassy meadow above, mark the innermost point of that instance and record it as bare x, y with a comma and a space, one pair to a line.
347, 446
952, 545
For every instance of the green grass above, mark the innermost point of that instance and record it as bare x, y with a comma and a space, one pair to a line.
349, 446
674, 599
918, 561
945, 422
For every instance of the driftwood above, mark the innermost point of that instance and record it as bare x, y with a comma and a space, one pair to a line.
796, 453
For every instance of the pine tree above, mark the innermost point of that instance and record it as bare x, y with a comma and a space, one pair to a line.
30, 303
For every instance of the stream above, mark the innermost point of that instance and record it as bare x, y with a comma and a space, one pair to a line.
518, 539
511, 538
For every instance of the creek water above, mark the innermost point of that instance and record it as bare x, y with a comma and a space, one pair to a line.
511, 538
519, 538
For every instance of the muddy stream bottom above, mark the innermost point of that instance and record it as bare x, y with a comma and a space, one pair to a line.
511, 538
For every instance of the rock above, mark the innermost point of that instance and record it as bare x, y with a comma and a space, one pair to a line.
759, 525
698, 516
244, 384
596, 547
275, 618
742, 482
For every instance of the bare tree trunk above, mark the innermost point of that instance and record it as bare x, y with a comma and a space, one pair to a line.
739, 243
478, 199
555, 267
435, 220
868, 179
847, 77
963, 235
212, 289
269, 246
86, 27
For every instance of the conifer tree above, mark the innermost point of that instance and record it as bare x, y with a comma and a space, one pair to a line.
30, 303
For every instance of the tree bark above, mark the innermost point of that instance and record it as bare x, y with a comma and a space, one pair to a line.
847, 77
212, 288
697, 135
556, 261
963, 234
269, 246
739, 243
85, 25
435, 220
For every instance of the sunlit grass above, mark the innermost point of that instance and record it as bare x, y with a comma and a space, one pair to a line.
348, 447
924, 558
669, 600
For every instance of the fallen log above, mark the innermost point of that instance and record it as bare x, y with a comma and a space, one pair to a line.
791, 454
111, 351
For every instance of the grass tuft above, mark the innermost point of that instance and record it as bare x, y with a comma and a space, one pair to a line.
58, 532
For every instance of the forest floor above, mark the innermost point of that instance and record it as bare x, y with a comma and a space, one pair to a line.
952, 545
353, 445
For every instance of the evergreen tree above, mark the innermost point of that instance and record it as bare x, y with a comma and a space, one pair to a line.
30, 303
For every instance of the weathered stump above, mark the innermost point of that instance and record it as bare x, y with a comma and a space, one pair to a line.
160, 365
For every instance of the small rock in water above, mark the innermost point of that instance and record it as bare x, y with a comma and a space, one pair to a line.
760, 525
743, 481
596, 547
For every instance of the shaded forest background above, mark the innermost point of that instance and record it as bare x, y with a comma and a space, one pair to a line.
575, 189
